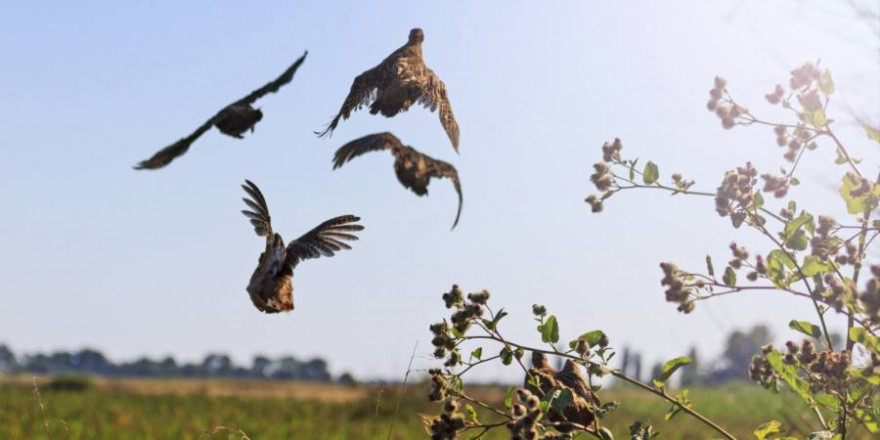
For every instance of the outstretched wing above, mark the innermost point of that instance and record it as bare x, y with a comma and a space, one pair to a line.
276, 85
171, 152
438, 168
361, 94
366, 144
325, 239
434, 97
259, 216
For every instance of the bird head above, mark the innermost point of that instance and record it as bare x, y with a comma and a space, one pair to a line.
539, 360
416, 36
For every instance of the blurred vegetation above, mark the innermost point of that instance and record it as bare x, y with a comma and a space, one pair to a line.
111, 410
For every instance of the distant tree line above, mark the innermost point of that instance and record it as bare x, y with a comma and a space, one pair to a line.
93, 362
732, 365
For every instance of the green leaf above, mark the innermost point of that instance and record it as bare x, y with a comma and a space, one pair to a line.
607, 408
472, 413
767, 430
868, 420
508, 397
674, 364
594, 338
806, 328
759, 200
709, 268
671, 412
797, 241
814, 265
478, 353
826, 84
605, 434
797, 223
651, 173
790, 375
561, 399
861, 204
550, 330
873, 133
641, 431
506, 356
729, 277
816, 118
860, 335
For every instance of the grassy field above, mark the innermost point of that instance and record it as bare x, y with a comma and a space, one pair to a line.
198, 409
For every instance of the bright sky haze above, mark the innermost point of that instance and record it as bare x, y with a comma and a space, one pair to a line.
151, 263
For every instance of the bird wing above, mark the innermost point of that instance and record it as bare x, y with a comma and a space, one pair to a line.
274, 86
366, 144
361, 94
434, 97
171, 152
259, 216
439, 168
325, 239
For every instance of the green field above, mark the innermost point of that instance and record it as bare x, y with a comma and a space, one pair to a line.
196, 409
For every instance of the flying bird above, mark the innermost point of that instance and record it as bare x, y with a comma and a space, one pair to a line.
233, 120
271, 288
397, 83
414, 170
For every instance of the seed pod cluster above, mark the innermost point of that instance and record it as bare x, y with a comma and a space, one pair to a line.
735, 192
803, 76
602, 178
611, 151
776, 96
523, 424
677, 290
438, 385
726, 111
870, 298
443, 339
824, 244
777, 185
761, 372
449, 423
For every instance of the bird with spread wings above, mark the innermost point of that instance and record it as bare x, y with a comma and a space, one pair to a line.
414, 170
399, 81
233, 120
271, 285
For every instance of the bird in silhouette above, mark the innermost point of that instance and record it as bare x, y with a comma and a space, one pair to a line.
397, 83
271, 288
233, 120
414, 170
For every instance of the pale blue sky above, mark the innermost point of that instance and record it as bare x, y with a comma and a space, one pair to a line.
155, 263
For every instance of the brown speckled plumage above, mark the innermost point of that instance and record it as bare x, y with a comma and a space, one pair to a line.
271, 287
234, 120
582, 408
414, 170
399, 81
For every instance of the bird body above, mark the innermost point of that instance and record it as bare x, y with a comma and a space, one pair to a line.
414, 170
271, 285
394, 85
237, 119
584, 401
